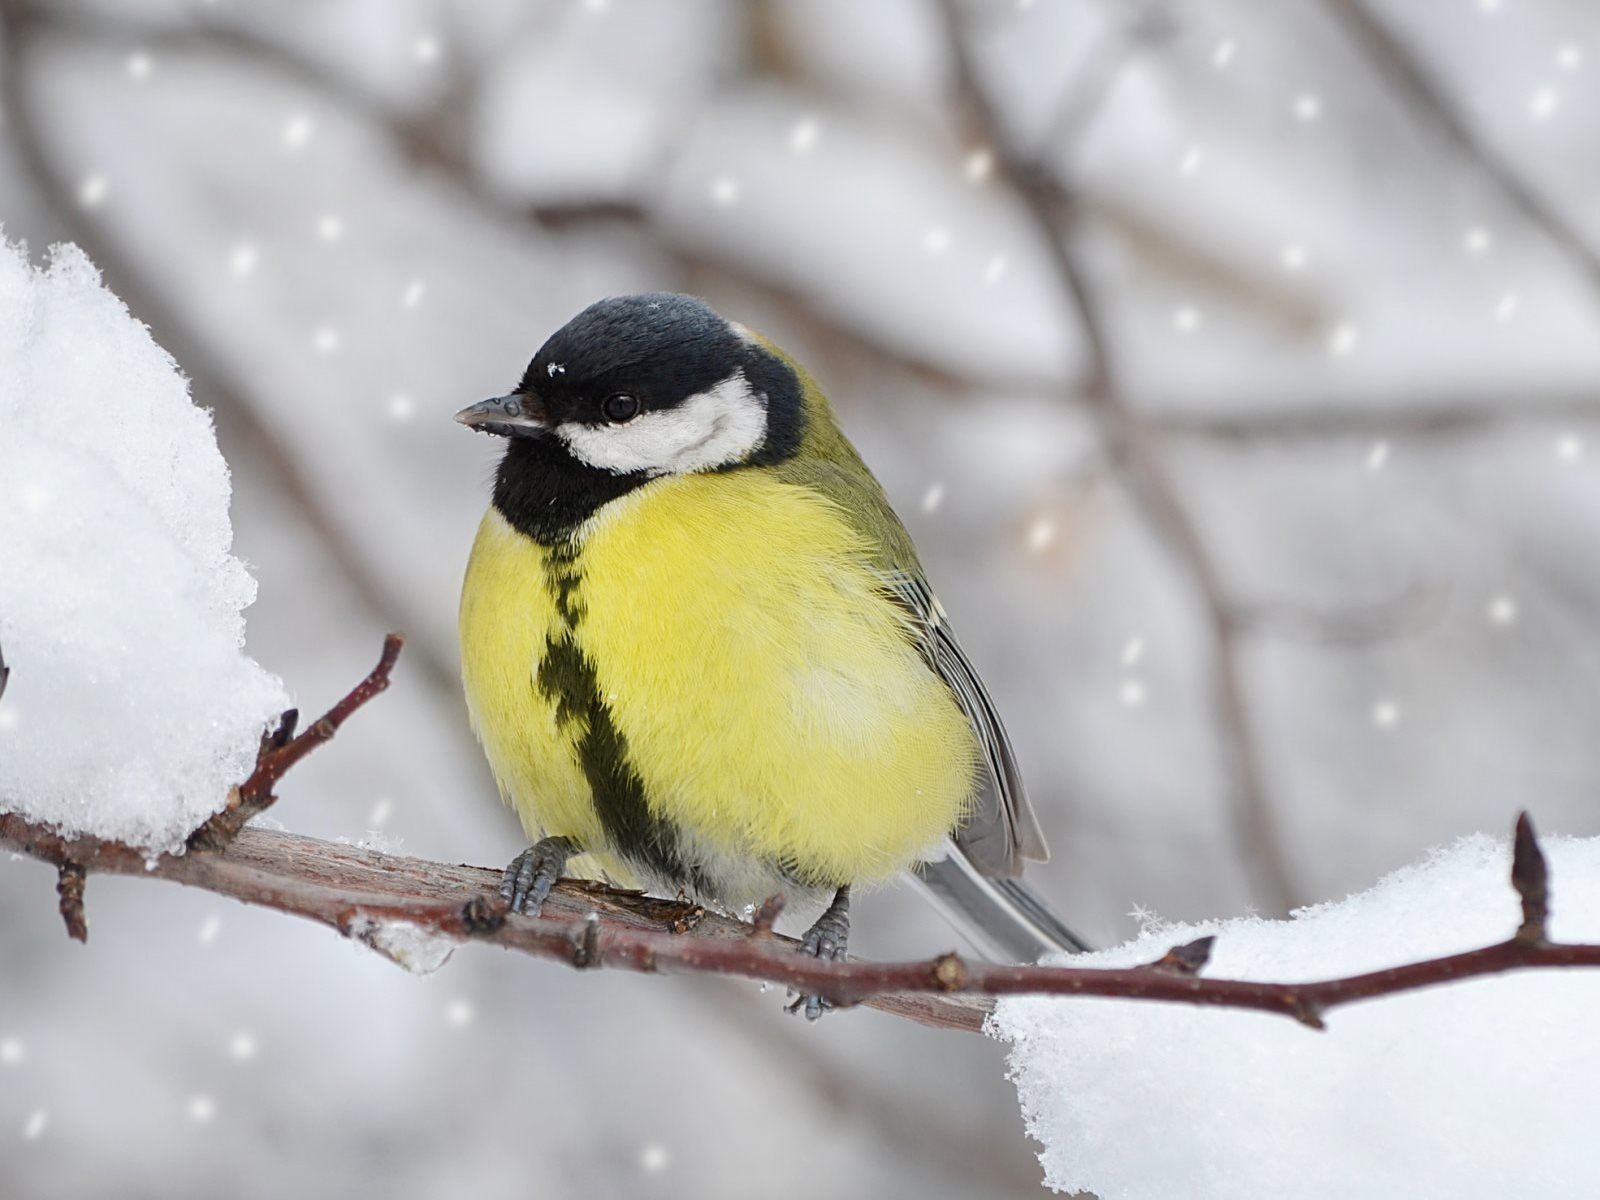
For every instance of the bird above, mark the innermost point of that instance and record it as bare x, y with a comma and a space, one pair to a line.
698, 647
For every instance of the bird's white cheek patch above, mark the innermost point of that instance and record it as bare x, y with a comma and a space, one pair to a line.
716, 427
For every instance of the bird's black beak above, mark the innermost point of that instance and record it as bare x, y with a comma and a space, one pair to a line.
516, 415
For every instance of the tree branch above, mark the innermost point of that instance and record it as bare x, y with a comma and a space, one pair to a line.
414, 910
1407, 74
376, 898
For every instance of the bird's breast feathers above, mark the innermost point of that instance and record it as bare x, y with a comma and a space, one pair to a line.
765, 690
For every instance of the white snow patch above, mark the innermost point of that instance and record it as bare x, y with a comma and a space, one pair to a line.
418, 950
1485, 1088
131, 708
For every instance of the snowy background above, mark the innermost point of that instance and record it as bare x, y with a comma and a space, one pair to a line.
1370, 347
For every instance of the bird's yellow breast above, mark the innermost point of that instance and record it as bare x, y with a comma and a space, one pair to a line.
764, 688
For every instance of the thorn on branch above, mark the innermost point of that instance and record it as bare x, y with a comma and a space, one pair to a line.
586, 947
766, 916
1306, 1013
1531, 877
70, 878
1187, 959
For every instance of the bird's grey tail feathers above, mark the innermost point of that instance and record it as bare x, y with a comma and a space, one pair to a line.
1004, 919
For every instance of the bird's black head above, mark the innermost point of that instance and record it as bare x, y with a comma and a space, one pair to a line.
630, 389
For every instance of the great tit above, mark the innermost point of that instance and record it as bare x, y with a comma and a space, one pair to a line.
697, 644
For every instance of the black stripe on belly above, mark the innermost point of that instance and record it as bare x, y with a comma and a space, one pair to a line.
566, 678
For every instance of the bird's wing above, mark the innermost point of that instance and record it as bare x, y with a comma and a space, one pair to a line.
1002, 831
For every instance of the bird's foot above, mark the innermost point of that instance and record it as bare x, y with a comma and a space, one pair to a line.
531, 875
827, 939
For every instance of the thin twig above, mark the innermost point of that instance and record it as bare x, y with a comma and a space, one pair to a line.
280, 750
1326, 418
1131, 444
1531, 877
1406, 72
70, 879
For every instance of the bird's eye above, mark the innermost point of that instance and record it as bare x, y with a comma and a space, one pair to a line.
619, 407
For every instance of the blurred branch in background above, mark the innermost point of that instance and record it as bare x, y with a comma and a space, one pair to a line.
216, 384
1134, 447
1427, 97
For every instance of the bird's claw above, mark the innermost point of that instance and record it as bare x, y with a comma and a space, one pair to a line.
827, 940
531, 875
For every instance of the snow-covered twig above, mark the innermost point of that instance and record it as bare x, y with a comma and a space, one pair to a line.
425, 908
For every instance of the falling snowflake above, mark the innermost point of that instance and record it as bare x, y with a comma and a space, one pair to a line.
1544, 103
92, 190
653, 1158
1342, 340
324, 339
296, 131
804, 134
242, 260
933, 497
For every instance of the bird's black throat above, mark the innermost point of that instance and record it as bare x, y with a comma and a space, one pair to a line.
545, 493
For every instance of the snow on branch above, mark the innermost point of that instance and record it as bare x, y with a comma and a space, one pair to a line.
415, 911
